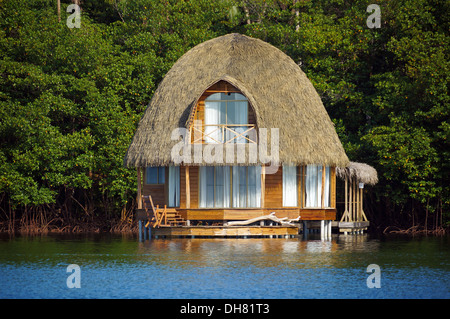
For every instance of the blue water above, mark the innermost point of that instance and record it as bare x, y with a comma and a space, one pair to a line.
121, 267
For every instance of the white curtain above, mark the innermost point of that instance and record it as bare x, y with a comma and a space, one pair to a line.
239, 186
214, 186
227, 188
222, 186
290, 192
254, 186
174, 186
208, 186
221, 108
313, 185
219, 187
237, 113
326, 190
202, 187
213, 115
246, 186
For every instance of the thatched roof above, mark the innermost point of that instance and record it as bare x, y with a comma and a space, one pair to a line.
363, 173
279, 92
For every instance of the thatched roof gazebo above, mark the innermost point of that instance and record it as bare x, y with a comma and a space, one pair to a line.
355, 176
221, 95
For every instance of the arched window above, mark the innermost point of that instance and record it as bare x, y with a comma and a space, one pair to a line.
226, 118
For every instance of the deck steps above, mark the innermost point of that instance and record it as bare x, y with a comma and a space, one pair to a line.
161, 217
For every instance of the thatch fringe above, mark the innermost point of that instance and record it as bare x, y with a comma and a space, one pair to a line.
277, 89
363, 173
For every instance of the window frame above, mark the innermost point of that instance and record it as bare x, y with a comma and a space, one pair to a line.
231, 189
238, 99
160, 171
322, 169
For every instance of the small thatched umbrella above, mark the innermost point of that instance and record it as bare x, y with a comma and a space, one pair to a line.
360, 172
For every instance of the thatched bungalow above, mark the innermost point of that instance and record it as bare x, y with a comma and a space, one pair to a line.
235, 131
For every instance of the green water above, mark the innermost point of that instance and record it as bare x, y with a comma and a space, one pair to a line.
122, 267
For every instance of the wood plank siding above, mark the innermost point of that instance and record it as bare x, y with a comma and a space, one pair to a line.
273, 199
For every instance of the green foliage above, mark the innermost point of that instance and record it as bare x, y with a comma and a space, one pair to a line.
407, 159
70, 99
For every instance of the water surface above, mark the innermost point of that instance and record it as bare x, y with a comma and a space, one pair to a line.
122, 267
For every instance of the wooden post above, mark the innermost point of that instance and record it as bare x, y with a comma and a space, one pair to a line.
165, 215
188, 188
329, 229
333, 187
361, 203
346, 199
140, 229
364, 217
263, 184
323, 186
358, 218
357, 201
300, 186
139, 189
354, 200
157, 218
350, 215
303, 177
322, 229
305, 229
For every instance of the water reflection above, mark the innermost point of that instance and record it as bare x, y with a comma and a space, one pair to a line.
224, 268
256, 252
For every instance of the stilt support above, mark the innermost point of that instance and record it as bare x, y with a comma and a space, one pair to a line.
305, 229
325, 229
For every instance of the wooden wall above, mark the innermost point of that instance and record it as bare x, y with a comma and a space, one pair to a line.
193, 172
273, 194
157, 192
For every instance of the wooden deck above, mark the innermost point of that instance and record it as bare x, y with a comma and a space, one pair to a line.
244, 214
225, 231
353, 227
182, 222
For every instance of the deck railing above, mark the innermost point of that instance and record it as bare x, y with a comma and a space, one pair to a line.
223, 133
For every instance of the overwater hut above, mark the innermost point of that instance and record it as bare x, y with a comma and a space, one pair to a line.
235, 142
